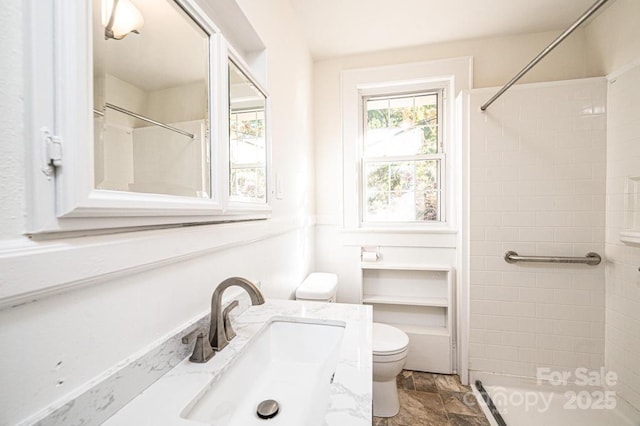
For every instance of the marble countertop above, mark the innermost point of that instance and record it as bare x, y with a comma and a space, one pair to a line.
350, 393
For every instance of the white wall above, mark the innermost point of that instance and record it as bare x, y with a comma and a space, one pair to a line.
55, 344
613, 37
12, 185
537, 188
290, 110
623, 260
614, 40
113, 143
166, 162
176, 104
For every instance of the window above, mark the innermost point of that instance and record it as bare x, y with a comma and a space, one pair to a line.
402, 141
402, 158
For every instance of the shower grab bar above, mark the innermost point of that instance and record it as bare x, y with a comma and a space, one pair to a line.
546, 51
143, 118
590, 259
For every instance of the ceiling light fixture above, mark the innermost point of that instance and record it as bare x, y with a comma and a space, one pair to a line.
119, 18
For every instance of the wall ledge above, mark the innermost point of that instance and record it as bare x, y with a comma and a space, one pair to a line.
76, 262
630, 237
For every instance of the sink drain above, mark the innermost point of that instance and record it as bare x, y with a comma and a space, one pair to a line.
268, 409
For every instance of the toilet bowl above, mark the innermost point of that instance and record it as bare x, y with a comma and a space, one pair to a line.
390, 349
390, 345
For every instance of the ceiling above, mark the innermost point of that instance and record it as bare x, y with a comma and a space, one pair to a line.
156, 58
341, 27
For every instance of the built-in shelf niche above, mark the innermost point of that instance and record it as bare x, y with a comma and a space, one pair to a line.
418, 300
631, 232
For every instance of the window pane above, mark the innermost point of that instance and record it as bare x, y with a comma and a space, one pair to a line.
427, 175
427, 203
248, 184
247, 138
401, 191
247, 143
401, 125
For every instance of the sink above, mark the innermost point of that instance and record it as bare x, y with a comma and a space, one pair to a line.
290, 362
285, 350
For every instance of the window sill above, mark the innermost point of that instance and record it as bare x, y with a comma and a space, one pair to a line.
400, 230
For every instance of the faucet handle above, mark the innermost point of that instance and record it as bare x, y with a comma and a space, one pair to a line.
228, 330
202, 351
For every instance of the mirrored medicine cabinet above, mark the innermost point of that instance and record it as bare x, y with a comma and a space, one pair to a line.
151, 102
157, 119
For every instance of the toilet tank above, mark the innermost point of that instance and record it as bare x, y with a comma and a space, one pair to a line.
318, 286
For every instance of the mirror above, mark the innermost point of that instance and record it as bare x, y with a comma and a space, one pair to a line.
247, 142
151, 99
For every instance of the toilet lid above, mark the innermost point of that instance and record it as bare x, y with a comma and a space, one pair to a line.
318, 286
388, 340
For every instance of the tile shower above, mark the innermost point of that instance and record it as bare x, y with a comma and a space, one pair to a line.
553, 172
538, 188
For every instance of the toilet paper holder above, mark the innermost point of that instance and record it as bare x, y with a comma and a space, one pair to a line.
370, 254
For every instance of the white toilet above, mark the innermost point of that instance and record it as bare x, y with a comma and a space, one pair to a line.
390, 348
390, 345
318, 286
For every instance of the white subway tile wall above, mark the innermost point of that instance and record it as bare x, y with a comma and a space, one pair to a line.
622, 347
538, 188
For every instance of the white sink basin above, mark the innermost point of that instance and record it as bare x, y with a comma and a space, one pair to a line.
290, 362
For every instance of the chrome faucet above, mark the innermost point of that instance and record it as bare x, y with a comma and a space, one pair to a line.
220, 331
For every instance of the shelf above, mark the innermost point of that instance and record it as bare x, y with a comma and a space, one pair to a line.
383, 266
423, 330
630, 237
440, 302
417, 299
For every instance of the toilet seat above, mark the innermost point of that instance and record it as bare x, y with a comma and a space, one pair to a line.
388, 342
381, 359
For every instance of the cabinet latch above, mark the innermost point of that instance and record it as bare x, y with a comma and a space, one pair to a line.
52, 145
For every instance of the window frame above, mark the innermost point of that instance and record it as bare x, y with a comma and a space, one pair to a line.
440, 156
455, 75
60, 104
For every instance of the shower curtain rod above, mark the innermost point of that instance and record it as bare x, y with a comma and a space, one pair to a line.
546, 51
143, 118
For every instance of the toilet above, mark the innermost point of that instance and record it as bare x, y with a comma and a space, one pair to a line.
390, 348
319, 287
390, 345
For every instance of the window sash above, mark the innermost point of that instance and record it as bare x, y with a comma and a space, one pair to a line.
439, 158
439, 93
439, 189
403, 158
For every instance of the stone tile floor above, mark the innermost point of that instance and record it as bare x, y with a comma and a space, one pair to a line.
434, 400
